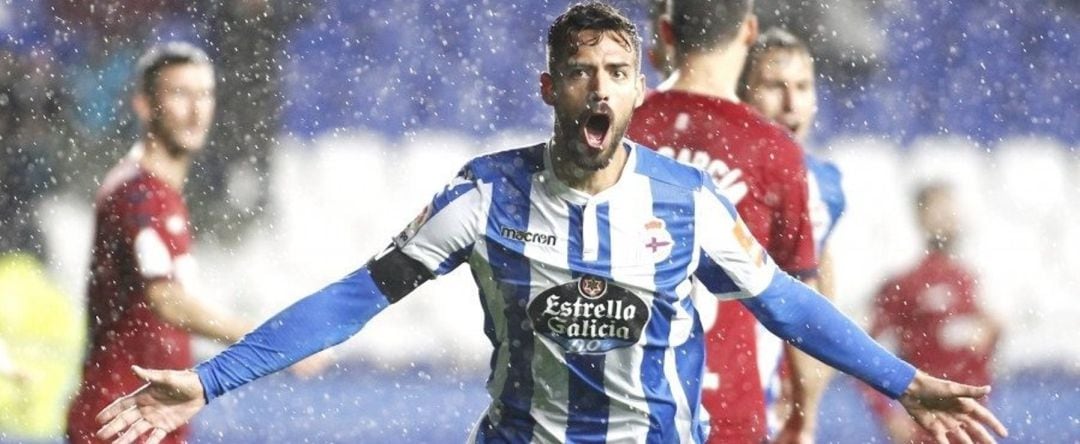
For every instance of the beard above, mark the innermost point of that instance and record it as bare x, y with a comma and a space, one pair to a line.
579, 153
168, 137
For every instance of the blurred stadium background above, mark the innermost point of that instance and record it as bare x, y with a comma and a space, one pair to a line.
368, 107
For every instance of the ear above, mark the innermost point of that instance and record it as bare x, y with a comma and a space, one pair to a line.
750, 27
640, 91
666, 31
141, 105
547, 88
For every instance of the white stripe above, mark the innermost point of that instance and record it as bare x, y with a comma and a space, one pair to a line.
548, 265
590, 236
631, 266
682, 325
723, 247
454, 227
152, 255
480, 264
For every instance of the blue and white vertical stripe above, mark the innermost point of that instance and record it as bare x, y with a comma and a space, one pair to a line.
524, 233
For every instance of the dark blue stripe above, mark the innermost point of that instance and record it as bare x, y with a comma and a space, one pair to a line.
675, 206
510, 269
448, 195
587, 421
453, 260
713, 276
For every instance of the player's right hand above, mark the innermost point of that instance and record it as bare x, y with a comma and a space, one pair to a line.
949, 410
168, 400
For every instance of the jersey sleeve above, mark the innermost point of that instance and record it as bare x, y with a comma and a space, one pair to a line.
792, 238
441, 237
155, 226
733, 264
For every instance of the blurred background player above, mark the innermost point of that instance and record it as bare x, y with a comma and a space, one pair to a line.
778, 81
659, 53
697, 118
140, 309
932, 314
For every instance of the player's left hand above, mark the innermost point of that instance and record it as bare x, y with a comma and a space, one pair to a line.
168, 400
948, 410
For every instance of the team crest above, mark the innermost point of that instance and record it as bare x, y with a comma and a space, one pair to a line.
592, 287
657, 241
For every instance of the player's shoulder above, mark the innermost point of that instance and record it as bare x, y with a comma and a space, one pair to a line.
129, 183
514, 162
667, 170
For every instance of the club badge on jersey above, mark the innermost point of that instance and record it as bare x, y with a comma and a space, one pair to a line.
589, 315
657, 240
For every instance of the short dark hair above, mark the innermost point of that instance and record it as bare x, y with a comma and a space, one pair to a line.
589, 16
929, 190
772, 39
706, 24
163, 55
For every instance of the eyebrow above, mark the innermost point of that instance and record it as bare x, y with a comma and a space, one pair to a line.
616, 65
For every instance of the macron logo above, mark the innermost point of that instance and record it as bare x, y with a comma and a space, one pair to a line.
525, 236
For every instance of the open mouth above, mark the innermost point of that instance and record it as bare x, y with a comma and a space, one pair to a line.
595, 130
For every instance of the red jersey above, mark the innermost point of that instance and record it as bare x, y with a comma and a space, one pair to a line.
142, 235
932, 313
720, 136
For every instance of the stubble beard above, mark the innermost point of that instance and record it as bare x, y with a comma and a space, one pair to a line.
578, 152
166, 136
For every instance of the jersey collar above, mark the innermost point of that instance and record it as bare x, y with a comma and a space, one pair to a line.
556, 187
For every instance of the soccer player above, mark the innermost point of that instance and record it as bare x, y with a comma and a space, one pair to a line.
582, 248
932, 312
140, 311
778, 81
697, 118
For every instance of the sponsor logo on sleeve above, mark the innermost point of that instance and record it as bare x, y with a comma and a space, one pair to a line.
751, 246
590, 315
410, 230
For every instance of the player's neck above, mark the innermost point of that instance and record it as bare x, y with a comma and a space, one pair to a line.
711, 73
587, 181
159, 162
939, 246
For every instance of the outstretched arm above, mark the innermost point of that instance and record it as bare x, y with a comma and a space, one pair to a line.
809, 377
802, 317
319, 321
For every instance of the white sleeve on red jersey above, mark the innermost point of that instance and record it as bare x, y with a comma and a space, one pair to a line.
152, 255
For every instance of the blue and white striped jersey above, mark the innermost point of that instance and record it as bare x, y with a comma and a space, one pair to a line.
586, 297
826, 197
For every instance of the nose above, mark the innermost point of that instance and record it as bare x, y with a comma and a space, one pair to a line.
789, 97
600, 87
